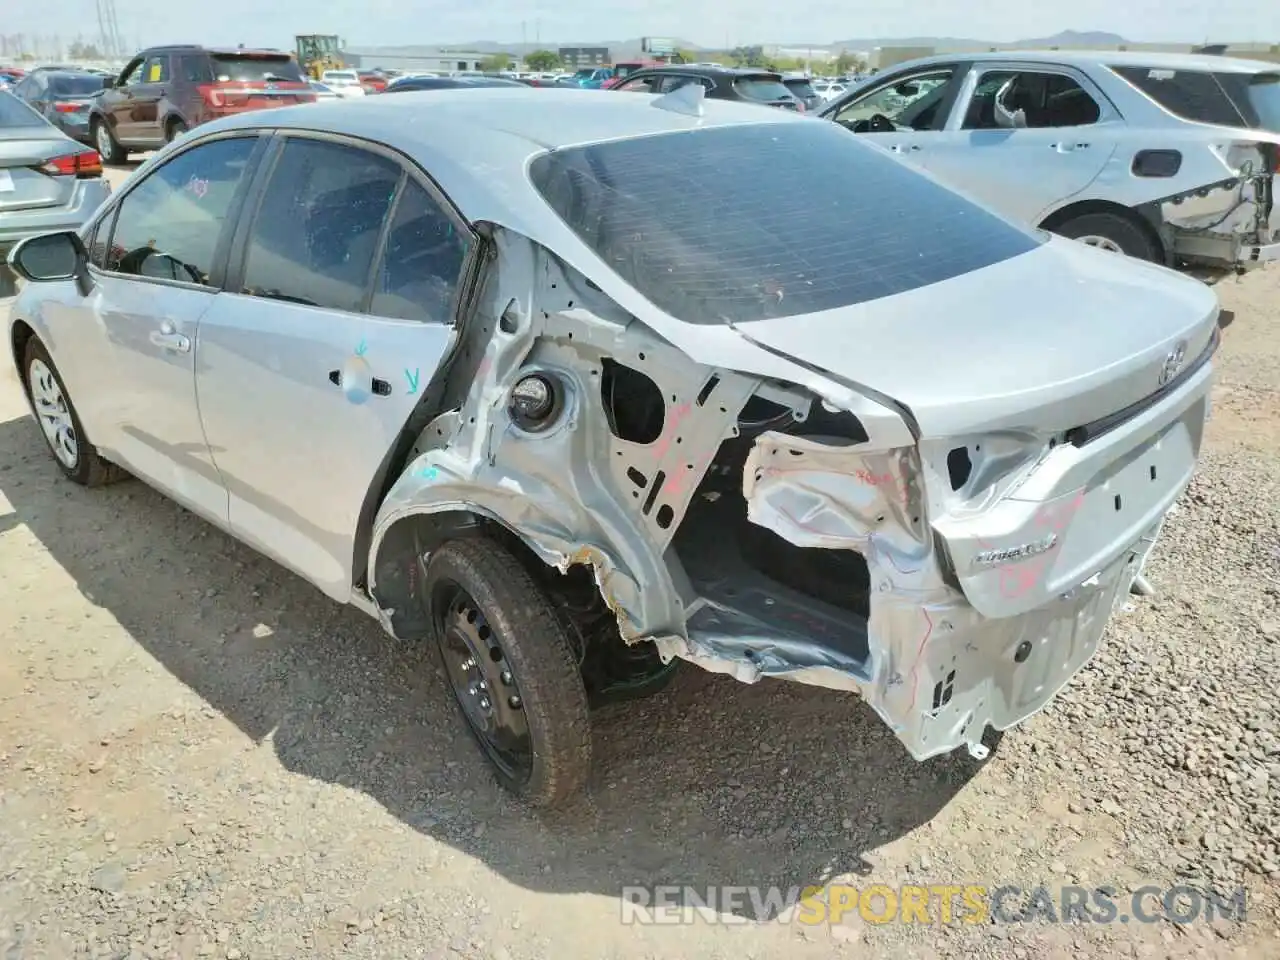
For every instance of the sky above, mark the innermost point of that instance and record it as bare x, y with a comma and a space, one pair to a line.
703, 22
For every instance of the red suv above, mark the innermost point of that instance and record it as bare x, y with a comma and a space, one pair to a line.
165, 91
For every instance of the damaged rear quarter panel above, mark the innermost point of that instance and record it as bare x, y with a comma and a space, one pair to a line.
576, 493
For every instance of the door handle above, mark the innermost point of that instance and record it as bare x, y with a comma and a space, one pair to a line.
1068, 147
170, 340
378, 386
899, 148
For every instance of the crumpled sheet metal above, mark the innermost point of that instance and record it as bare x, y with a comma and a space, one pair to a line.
570, 492
939, 672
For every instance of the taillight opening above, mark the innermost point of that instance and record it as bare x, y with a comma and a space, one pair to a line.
86, 163
62, 106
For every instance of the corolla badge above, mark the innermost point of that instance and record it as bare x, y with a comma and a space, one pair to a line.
1173, 362
1003, 555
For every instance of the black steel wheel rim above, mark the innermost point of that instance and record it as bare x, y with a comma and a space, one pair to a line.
482, 680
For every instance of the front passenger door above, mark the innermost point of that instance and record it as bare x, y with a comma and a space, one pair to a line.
156, 272
309, 371
117, 102
144, 123
902, 113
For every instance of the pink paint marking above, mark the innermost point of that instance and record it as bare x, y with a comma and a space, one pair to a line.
668, 435
915, 667
1020, 577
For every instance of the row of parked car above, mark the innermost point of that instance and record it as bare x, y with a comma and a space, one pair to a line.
575, 386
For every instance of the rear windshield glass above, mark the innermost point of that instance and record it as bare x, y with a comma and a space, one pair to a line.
15, 113
77, 86
765, 89
800, 88
709, 248
1194, 95
255, 69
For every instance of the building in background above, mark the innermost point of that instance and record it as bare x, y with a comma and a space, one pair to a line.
574, 57
416, 59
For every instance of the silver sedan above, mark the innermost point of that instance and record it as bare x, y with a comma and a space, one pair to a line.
525, 375
48, 181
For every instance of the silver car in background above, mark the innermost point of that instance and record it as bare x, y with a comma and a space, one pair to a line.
48, 181
1166, 157
450, 373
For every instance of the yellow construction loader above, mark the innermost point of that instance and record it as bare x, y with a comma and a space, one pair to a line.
317, 52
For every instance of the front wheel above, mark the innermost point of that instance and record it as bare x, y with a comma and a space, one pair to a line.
174, 130
511, 664
77, 458
1113, 233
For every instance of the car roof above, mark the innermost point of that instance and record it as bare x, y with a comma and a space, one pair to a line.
1115, 58
476, 144
691, 69
215, 51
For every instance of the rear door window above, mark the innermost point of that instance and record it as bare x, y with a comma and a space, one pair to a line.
642, 84
762, 89
1045, 100
76, 86
316, 232
1194, 95
233, 68
422, 264
712, 249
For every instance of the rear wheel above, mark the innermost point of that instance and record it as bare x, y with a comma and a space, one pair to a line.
76, 457
1113, 233
105, 141
510, 662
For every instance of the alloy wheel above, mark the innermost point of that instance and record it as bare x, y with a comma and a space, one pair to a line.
1102, 243
54, 414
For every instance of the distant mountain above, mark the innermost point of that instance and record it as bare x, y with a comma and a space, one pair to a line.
1067, 38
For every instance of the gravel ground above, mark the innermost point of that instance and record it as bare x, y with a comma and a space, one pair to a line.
202, 756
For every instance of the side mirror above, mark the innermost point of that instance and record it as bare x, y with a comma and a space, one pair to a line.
907, 89
49, 257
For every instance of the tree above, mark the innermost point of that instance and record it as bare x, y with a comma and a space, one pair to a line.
848, 63
496, 62
748, 56
83, 51
542, 60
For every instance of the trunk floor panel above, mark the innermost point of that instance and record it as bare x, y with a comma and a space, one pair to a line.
729, 561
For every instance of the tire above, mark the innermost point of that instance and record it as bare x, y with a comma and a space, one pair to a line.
106, 144
478, 595
41, 379
174, 129
1112, 231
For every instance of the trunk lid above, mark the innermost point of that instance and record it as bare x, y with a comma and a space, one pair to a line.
22, 185
1053, 339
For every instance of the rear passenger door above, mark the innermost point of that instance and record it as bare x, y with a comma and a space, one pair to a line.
1070, 132
342, 291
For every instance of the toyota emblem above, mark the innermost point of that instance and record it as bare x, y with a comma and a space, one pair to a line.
1173, 362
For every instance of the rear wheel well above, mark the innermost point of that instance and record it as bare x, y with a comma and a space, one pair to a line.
1083, 207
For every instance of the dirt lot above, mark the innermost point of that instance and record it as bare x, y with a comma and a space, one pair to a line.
202, 756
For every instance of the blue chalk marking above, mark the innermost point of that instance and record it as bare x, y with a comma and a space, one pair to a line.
413, 380
361, 349
428, 473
